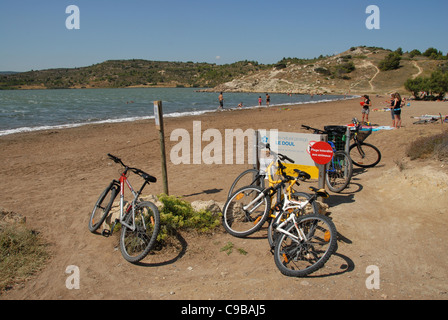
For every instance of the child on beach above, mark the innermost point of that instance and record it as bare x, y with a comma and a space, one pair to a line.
260, 101
365, 108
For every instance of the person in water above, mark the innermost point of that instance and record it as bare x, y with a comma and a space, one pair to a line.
221, 101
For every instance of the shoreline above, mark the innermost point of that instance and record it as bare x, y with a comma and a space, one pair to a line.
177, 114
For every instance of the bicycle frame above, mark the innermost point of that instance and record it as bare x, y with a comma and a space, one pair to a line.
289, 204
125, 181
272, 184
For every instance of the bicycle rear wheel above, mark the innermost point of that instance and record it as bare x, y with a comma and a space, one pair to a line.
102, 207
365, 155
136, 244
249, 177
339, 172
246, 211
313, 243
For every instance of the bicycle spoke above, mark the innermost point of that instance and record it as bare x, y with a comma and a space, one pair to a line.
136, 244
245, 212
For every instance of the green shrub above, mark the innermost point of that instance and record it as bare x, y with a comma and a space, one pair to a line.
391, 62
323, 71
177, 214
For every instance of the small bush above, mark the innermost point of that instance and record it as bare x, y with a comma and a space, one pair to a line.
430, 147
391, 62
177, 214
323, 71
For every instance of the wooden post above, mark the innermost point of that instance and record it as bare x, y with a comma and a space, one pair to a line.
158, 115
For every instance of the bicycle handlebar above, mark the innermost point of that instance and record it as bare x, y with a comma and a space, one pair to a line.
139, 172
316, 131
280, 156
300, 174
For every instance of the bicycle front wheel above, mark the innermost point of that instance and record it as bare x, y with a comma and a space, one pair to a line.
365, 155
249, 177
339, 172
307, 246
246, 211
102, 207
300, 197
136, 244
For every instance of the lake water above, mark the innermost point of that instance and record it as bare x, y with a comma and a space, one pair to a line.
32, 110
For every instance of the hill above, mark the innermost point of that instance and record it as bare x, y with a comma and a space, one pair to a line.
130, 73
355, 71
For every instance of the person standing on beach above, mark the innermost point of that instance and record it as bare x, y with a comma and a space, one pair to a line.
260, 101
392, 101
397, 110
268, 100
221, 101
365, 108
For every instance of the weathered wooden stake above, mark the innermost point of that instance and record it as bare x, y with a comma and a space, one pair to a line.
158, 115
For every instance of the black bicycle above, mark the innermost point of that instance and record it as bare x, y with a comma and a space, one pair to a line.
364, 155
340, 168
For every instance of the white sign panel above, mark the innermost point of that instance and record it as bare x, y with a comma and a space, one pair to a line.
293, 145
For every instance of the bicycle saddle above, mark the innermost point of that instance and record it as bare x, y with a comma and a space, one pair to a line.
320, 192
302, 174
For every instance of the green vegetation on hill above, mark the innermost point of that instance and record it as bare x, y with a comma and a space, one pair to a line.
127, 73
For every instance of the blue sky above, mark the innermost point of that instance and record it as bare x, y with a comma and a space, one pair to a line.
33, 33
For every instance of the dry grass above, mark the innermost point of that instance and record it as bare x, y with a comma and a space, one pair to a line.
22, 254
430, 147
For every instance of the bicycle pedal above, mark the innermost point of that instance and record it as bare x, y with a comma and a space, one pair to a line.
106, 233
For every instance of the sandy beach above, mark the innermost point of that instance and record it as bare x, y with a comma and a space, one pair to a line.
395, 220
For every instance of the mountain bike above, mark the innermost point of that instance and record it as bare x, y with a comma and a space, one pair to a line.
339, 170
246, 210
292, 202
254, 177
302, 242
364, 155
140, 220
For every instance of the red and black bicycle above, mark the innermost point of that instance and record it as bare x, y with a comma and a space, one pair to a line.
140, 220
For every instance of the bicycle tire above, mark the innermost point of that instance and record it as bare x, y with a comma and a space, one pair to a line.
339, 172
303, 257
239, 222
104, 202
298, 196
135, 245
372, 155
247, 178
